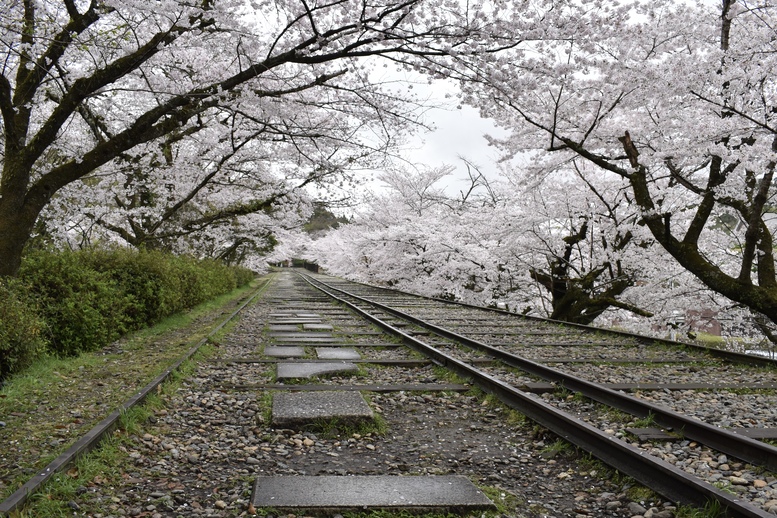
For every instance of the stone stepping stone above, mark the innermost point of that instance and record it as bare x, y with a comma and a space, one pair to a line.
300, 335
308, 370
282, 351
317, 327
337, 353
404, 387
295, 321
286, 328
297, 409
367, 345
313, 338
366, 492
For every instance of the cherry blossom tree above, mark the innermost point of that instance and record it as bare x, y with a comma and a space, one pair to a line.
552, 238
84, 85
583, 235
413, 236
209, 184
675, 99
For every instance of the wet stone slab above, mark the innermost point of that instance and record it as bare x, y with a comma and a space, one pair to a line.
319, 339
293, 321
337, 353
286, 328
308, 370
296, 409
317, 327
282, 351
299, 335
454, 493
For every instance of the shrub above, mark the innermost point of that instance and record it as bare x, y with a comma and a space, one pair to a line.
142, 277
90, 298
83, 308
21, 329
158, 284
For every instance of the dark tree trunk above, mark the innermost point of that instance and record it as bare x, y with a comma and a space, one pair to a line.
17, 220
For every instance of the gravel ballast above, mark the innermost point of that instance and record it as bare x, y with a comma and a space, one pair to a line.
199, 453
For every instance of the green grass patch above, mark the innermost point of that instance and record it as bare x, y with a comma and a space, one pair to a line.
335, 428
644, 422
506, 502
559, 447
712, 509
98, 467
56, 400
636, 492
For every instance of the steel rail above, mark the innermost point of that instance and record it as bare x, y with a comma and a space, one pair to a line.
733, 356
92, 439
744, 448
659, 475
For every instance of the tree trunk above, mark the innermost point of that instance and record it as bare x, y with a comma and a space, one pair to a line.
759, 298
16, 225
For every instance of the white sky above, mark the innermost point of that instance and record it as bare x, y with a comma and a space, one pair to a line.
458, 133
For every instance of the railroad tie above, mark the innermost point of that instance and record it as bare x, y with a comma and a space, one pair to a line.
296, 406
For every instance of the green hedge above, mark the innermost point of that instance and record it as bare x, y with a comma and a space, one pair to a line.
83, 308
81, 301
21, 328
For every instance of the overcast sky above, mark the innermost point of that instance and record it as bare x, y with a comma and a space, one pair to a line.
459, 132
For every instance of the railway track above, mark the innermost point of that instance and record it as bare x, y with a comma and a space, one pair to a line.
532, 353
640, 405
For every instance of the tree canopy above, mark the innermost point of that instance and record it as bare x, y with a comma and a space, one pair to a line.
148, 105
644, 135
677, 100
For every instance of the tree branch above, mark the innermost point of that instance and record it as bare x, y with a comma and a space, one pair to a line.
30, 75
755, 228
7, 110
86, 86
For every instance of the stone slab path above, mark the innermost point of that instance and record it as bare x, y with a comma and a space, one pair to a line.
450, 492
290, 409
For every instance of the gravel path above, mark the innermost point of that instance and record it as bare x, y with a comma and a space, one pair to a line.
198, 455
735, 408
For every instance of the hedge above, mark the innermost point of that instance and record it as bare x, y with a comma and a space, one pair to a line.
69, 302
21, 328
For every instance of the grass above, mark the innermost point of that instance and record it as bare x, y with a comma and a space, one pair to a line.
57, 400
181, 320
447, 375
101, 466
645, 422
98, 467
337, 427
506, 503
265, 400
712, 509
556, 448
512, 417
638, 492
592, 465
